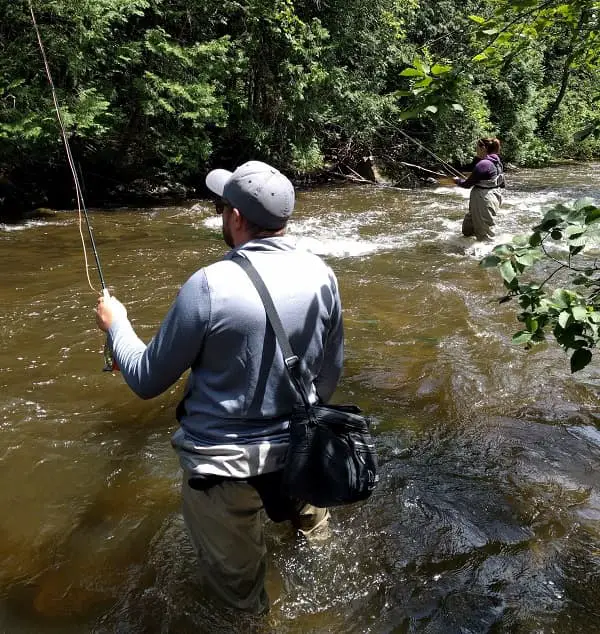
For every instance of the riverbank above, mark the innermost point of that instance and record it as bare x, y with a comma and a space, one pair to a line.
34, 201
19, 202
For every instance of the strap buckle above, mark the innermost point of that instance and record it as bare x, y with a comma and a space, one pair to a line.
291, 362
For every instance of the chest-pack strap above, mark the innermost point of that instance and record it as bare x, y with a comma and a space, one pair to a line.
292, 362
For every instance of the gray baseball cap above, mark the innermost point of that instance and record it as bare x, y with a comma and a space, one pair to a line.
258, 191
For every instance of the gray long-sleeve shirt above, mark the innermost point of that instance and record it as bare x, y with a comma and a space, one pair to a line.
234, 419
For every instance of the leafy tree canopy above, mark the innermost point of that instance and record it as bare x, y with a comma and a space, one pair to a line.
162, 89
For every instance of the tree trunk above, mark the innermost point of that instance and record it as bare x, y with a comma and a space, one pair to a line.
566, 74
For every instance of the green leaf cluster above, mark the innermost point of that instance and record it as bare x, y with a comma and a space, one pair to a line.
559, 249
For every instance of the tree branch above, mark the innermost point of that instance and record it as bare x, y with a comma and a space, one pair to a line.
520, 16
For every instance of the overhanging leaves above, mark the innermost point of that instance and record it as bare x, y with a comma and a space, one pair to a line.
571, 316
580, 358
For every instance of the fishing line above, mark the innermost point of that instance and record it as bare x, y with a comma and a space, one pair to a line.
424, 169
435, 156
78, 191
110, 364
454, 172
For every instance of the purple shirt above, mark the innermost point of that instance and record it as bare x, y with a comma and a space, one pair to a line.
485, 169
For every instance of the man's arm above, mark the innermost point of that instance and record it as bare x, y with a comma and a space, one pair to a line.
152, 369
333, 355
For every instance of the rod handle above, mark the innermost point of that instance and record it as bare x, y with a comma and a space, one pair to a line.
110, 365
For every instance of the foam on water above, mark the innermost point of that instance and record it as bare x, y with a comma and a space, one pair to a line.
335, 234
434, 218
212, 222
520, 211
30, 224
455, 192
588, 432
341, 234
403, 220
336, 247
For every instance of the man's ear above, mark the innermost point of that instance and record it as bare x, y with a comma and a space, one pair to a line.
238, 219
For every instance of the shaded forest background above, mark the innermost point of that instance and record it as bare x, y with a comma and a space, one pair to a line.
155, 92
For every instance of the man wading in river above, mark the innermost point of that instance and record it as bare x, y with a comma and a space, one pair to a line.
233, 418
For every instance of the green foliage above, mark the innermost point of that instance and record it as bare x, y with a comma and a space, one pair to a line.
454, 130
562, 39
314, 77
527, 59
518, 104
131, 95
177, 97
561, 294
576, 137
430, 87
276, 102
308, 158
159, 88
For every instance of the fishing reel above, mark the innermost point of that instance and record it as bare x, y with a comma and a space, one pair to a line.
110, 365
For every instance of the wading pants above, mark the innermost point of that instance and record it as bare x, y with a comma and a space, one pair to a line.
483, 206
226, 522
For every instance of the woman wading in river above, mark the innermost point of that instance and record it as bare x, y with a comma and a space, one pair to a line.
486, 180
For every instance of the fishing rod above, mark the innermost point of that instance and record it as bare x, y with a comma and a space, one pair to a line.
81, 206
424, 169
435, 156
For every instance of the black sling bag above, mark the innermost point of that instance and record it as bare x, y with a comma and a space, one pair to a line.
331, 459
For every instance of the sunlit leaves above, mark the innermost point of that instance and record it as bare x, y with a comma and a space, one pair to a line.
563, 318
490, 261
426, 84
411, 72
521, 337
507, 270
572, 316
440, 69
511, 260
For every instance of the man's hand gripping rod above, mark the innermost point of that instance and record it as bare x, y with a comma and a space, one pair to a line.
110, 365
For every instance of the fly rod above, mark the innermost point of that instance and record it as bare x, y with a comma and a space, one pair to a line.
435, 156
81, 206
424, 169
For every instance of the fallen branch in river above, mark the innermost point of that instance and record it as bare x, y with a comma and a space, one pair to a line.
359, 179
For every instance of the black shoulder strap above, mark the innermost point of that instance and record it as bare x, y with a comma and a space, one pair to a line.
292, 362
498, 165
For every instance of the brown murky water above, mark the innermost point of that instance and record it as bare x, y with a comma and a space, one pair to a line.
488, 515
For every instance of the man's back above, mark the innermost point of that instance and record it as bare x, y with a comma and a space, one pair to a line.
239, 388
234, 414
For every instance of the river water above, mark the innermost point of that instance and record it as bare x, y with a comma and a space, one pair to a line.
487, 518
